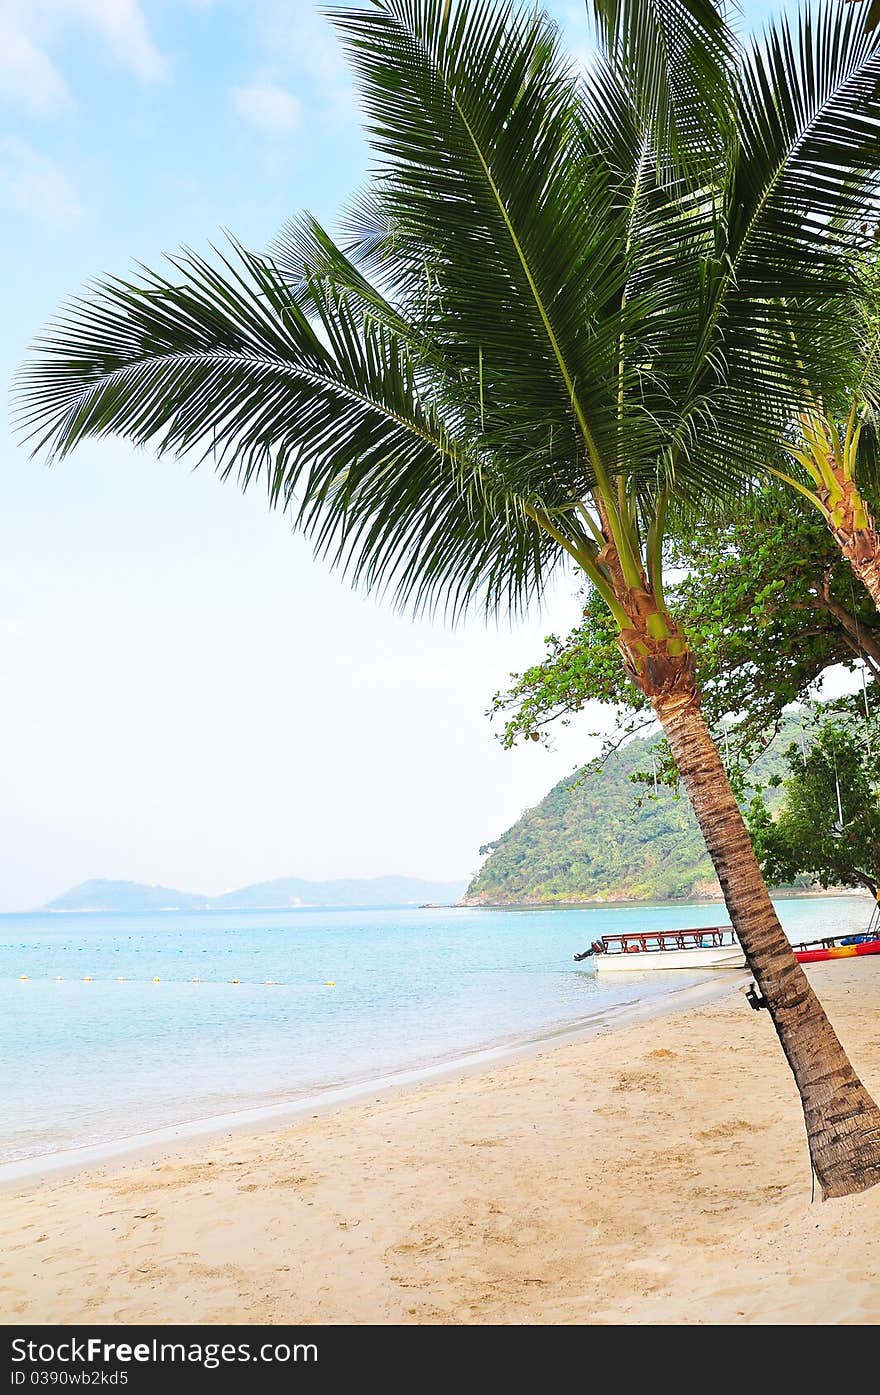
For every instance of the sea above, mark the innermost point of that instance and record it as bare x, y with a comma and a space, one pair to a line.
119, 1025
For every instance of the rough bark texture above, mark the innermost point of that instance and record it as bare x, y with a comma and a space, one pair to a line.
842, 1120
859, 544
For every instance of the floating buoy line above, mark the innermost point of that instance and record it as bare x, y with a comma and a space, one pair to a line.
208, 982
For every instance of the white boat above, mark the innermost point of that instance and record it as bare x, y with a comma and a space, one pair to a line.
715, 947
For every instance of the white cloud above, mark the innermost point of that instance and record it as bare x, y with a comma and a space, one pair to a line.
15, 627
301, 43
268, 107
123, 27
30, 79
296, 31
35, 185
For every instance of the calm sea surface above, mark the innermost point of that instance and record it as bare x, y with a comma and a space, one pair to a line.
91, 1061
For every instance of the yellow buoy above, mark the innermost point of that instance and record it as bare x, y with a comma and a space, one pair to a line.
235, 980
330, 983
23, 978
156, 980
87, 979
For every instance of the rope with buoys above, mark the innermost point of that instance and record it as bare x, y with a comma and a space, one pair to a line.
207, 982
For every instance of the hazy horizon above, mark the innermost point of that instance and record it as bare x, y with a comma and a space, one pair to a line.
267, 881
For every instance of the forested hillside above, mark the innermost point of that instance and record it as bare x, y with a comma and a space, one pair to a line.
600, 836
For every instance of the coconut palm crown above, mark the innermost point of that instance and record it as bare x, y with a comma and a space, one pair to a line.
678, 58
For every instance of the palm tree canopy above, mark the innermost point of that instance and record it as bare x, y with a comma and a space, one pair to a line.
533, 322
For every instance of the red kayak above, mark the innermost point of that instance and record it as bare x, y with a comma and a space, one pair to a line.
838, 947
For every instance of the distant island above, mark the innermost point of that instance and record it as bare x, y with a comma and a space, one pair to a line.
283, 893
602, 837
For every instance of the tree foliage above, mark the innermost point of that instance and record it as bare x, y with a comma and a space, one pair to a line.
768, 604
828, 826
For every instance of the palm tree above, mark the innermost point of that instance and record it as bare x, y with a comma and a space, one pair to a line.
541, 336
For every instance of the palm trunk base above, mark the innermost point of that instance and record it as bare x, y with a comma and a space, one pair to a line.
845, 1142
841, 1119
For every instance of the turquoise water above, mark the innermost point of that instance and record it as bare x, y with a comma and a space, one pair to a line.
88, 1062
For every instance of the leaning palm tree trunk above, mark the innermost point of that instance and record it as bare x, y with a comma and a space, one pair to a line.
842, 1121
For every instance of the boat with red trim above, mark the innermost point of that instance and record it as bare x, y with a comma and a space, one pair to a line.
709, 947
712, 947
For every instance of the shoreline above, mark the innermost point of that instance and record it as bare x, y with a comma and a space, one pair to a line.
258, 1119
654, 1171
465, 904
775, 895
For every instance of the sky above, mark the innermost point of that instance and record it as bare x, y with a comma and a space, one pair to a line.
186, 696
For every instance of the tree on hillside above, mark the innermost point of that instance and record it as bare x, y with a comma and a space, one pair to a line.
768, 605
545, 328
828, 825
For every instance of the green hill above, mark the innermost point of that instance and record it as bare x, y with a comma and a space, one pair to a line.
601, 837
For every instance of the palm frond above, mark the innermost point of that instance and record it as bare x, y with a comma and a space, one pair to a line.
222, 361
677, 58
777, 311
473, 112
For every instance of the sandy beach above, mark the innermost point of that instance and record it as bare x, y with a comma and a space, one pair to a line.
657, 1173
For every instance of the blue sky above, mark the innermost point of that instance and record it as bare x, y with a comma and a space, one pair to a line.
185, 695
